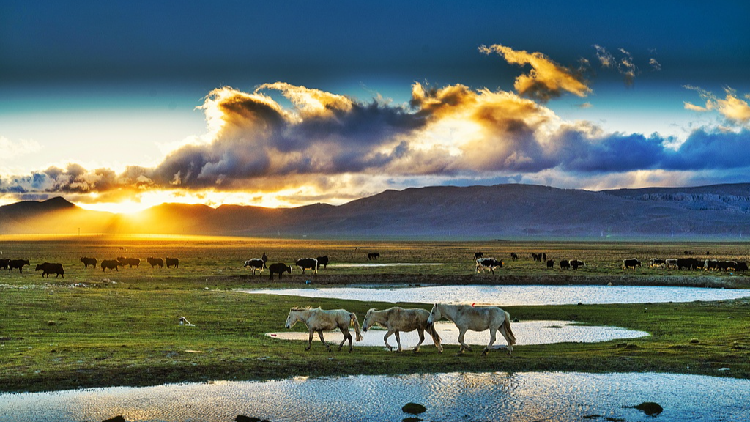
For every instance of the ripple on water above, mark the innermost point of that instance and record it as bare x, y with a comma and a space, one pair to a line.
495, 396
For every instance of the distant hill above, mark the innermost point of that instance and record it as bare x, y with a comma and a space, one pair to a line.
476, 212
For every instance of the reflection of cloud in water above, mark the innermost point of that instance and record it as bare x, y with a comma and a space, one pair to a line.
516, 295
528, 332
497, 396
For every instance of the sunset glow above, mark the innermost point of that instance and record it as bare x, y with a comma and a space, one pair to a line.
337, 108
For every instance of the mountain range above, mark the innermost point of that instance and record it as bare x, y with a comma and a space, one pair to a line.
509, 211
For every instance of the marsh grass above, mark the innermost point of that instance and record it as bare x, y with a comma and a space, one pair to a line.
95, 329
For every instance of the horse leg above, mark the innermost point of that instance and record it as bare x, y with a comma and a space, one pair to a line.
309, 341
398, 340
464, 346
493, 332
385, 338
421, 339
320, 334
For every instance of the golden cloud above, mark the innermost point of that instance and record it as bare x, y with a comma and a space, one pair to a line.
547, 79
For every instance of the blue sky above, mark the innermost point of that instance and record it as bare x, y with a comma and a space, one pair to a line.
105, 102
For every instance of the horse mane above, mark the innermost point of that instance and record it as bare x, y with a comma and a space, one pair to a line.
297, 308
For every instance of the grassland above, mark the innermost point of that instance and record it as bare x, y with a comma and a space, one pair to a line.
102, 329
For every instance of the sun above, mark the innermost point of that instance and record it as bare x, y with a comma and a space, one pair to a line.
123, 207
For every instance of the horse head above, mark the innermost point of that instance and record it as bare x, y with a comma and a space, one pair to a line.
435, 314
292, 318
366, 322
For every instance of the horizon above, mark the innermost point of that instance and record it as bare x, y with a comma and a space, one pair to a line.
123, 108
127, 212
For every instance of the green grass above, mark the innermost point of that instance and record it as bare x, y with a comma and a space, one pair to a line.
86, 331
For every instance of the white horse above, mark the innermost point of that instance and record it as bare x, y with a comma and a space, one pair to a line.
318, 320
467, 317
399, 319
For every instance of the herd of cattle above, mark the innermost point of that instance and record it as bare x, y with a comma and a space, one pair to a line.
313, 264
48, 268
490, 264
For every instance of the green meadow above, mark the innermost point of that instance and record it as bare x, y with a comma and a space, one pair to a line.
95, 328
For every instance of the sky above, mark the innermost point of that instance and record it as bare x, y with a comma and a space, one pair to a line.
120, 106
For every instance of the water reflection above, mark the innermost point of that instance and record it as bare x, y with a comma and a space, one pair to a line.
500, 396
517, 295
527, 332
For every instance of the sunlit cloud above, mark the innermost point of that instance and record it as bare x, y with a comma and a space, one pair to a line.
546, 80
734, 109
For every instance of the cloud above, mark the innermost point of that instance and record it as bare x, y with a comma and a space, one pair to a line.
12, 150
325, 146
733, 108
546, 80
655, 65
624, 64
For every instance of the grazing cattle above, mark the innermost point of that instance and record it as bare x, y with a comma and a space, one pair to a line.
740, 266
4, 263
255, 264
279, 268
478, 255
373, 255
307, 264
318, 320
513, 256
112, 264
564, 264
88, 261
128, 261
550, 263
397, 320
630, 263
669, 263
720, 265
657, 263
17, 263
488, 264
576, 264
49, 268
155, 261
478, 318
172, 262
689, 263
322, 260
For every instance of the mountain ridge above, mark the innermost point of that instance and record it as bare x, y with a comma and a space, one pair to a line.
473, 212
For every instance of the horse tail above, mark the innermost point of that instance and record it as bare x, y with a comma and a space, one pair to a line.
433, 333
506, 326
353, 319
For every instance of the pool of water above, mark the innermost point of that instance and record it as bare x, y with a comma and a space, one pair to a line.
498, 396
393, 264
516, 295
527, 332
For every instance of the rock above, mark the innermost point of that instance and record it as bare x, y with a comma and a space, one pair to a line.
243, 418
694, 341
117, 418
650, 408
414, 408
411, 420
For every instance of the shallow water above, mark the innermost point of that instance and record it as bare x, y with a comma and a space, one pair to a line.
499, 396
516, 295
394, 264
527, 332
